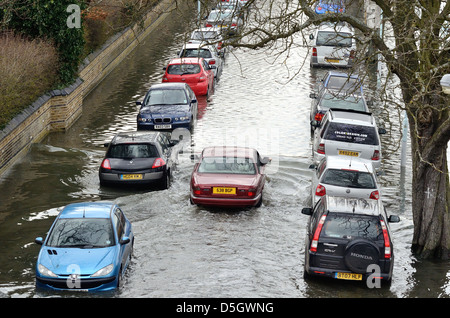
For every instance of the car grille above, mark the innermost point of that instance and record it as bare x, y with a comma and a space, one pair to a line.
86, 283
163, 120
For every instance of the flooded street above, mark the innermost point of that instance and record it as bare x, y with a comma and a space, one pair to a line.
182, 250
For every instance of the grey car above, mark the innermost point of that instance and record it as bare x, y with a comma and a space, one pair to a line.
208, 52
347, 133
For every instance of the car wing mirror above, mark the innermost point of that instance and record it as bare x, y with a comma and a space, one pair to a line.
315, 123
307, 211
381, 131
394, 219
313, 166
194, 101
265, 160
311, 37
39, 240
313, 95
106, 144
138, 103
124, 240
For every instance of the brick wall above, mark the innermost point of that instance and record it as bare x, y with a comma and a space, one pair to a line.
59, 109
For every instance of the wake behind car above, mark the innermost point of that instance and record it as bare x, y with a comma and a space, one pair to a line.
195, 72
88, 248
168, 106
228, 176
349, 238
344, 132
137, 158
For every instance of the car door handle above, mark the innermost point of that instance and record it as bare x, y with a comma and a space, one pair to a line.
330, 244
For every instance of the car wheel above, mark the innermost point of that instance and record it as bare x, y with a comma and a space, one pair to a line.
359, 254
259, 202
165, 182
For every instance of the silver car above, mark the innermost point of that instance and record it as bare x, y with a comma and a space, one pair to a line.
347, 133
345, 177
211, 36
207, 52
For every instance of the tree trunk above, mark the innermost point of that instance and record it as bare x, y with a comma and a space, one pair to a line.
430, 197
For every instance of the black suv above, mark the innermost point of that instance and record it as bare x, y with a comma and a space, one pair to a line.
136, 158
345, 236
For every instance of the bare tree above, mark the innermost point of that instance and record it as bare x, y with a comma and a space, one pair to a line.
417, 52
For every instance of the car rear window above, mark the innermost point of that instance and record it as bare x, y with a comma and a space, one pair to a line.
348, 178
233, 165
351, 226
180, 69
128, 151
204, 35
352, 133
343, 102
330, 38
205, 53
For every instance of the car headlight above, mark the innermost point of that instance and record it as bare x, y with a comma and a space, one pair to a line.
104, 271
141, 119
45, 271
182, 118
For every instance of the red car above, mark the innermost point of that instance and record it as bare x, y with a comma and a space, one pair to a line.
228, 176
196, 72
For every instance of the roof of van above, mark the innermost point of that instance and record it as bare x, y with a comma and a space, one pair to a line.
340, 27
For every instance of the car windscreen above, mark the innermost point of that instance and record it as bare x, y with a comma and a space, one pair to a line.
128, 151
357, 134
204, 35
165, 97
218, 16
344, 83
343, 102
348, 178
330, 38
82, 232
233, 165
351, 226
180, 69
205, 53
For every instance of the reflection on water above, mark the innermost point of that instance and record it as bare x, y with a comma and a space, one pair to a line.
183, 250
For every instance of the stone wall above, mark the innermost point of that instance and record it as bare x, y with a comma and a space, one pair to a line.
59, 109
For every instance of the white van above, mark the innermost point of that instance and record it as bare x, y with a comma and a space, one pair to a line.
332, 45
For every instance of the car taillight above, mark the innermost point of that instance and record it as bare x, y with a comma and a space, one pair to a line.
106, 164
251, 192
219, 45
375, 195
376, 155
197, 190
159, 162
315, 240
352, 54
321, 149
387, 242
318, 116
208, 25
320, 190
314, 52
234, 24
212, 62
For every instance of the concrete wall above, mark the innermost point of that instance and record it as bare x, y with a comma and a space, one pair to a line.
59, 109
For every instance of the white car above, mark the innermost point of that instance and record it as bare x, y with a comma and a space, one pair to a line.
332, 45
350, 133
345, 177
210, 35
205, 51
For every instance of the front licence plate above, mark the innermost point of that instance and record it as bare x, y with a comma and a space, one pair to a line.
348, 276
223, 190
348, 153
131, 176
332, 60
163, 126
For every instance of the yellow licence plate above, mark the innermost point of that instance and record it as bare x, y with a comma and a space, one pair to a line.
332, 60
348, 276
223, 190
348, 153
131, 176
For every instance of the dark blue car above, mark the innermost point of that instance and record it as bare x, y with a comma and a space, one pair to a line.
330, 6
88, 248
168, 106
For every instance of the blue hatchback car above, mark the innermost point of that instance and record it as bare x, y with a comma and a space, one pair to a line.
167, 106
330, 6
88, 248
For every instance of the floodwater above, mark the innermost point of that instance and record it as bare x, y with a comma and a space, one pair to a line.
182, 250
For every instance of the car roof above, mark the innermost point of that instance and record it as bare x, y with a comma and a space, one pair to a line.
229, 151
351, 116
197, 45
352, 205
350, 163
87, 210
168, 85
186, 60
340, 27
135, 136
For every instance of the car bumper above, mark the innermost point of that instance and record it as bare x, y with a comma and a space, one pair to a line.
115, 178
322, 63
153, 126
226, 202
325, 272
84, 284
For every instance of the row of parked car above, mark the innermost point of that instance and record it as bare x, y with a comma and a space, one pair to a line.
89, 245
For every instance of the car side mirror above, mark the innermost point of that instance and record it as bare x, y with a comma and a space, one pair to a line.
138, 103
311, 37
381, 131
194, 101
313, 95
164, 68
307, 211
312, 166
124, 240
39, 240
265, 160
315, 123
106, 144
369, 103
211, 67
394, 219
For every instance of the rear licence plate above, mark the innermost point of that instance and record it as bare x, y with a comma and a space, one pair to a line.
131, 176
348, 276
348, 153
223, 190
332, 60
163, 126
